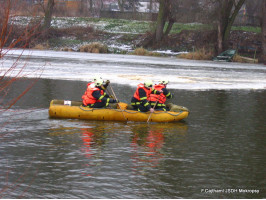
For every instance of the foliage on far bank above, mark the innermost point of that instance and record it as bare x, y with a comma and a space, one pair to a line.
69, 34
123, 25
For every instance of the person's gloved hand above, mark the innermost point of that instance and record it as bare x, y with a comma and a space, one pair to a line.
114, 101
151, 110
107, 82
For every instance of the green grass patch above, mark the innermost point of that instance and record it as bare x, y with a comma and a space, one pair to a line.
59, 42
247, 29
128, 26
178, 27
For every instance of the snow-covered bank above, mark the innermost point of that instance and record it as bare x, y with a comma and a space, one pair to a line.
130, 70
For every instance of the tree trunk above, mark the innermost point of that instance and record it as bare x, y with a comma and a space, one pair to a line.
134, 7
225, 7
161, 19
84, 7
121, 5
102, 5
48, 14
220, 38
263, 29
228, 10
151, 6
169, 27
91, 6
230, 22
171, 19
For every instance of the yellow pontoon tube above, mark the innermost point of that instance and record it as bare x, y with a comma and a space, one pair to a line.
75, 110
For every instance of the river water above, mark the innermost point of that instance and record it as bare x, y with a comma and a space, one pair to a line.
217, 152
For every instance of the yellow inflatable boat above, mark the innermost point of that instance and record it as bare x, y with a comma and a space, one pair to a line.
121, 112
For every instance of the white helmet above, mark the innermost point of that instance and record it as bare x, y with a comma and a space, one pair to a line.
98, 82
164, 81
148, 83
95, 78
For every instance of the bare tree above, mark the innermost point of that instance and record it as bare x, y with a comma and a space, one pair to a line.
161, 19
121, 5
91, 6
7, 42
84, 6
101, 4
133, 5
165, 15
253, 7
227, 11
168, 11
87, 6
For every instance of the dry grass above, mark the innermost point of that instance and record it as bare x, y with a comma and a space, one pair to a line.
41, 46
94, 47
241, 59
143, 52
67, 49
200, 54
203, 54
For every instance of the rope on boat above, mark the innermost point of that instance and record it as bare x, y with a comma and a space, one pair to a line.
131, 112
90, 109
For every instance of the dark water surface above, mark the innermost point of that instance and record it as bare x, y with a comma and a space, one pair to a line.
220, 146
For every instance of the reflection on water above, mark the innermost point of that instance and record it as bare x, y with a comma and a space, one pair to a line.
88, 141
145, 143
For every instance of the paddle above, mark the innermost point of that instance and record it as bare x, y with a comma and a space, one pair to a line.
153, 108
118, 103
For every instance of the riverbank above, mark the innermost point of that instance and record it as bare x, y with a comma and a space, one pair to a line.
124, 36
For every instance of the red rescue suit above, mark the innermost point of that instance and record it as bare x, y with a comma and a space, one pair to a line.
161, 98
88, 98
147, 91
